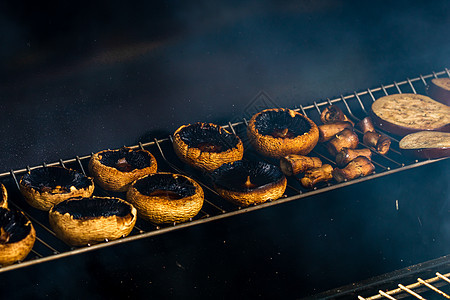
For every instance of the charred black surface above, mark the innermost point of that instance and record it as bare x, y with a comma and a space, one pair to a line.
165, 182
51, 177
15, 225
271, 121
86, 208
198, 134
233, 176
134, 159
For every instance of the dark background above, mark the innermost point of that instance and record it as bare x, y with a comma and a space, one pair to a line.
79, 77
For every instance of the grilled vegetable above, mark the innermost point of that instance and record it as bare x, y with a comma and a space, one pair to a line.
166, 197
206, 146
48, 186
316, 175
426, 144
378, 141
3, 196
17, 236
347, 155
115, 170
333, 114
329, 130
279, 132
82, 221
360, 166
294, 164
402, 114
345, 139
247, 182
439, 90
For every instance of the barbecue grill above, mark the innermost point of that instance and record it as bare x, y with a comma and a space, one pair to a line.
356, 105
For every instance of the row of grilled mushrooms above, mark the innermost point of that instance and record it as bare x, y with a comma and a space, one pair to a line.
79, 218
17, 234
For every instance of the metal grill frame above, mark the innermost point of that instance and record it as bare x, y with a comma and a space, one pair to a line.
356, 106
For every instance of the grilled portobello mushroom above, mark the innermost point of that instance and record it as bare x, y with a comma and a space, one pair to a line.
206, 146
166, 197
17, 236
48, 186
279, 132
83, 221
115, 170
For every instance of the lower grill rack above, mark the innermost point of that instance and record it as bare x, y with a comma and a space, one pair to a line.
356, 105
407, 283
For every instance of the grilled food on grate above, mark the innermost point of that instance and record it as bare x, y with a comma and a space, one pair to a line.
279, 132
115, 170
48, 186
82, 221
206, 146
17, 236
166, 197
402, 114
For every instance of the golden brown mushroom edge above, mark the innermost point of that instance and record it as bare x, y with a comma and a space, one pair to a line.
115, 170
206, 146
17, 236
278, 132
3, 196
48, 186
83, 221
246, 183
166, 197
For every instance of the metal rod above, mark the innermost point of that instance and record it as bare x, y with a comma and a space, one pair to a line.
360, 103
433, 288
412, 86
398, 88
443, 277
410, 292
385, 295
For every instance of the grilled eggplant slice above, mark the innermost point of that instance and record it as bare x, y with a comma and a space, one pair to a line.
206, 146
426, 144
115, 170
17, 236
83, 221
166, 197
279, 132
246, 182
48, 186
401, 114
439, 90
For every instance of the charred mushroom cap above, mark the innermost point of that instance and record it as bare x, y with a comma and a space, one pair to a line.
115, 170
17, 236
82, 221
166, 197
3, 196
279, 132
206, 146
47, 186
247, 182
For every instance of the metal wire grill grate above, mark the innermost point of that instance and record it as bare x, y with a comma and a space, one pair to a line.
356, 105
